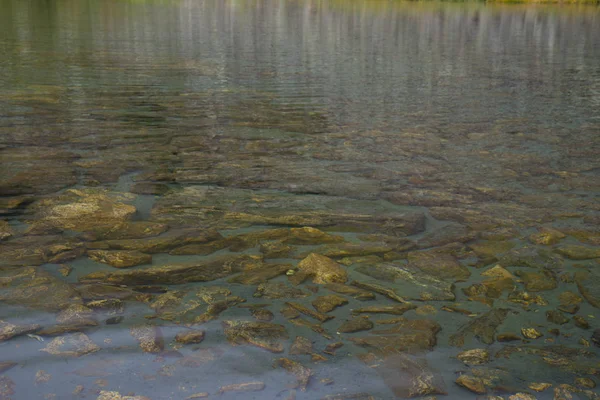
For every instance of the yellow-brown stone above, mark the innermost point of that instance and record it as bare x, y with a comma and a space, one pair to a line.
531, 333
242, 387
148, 337
120, 258
474, 357
358, 294
322, 269
357, 324
328, 303
301, 345
475, 385
539, 387
265, 335
306, 311
301, 372
576, 252
547, 236
72, 345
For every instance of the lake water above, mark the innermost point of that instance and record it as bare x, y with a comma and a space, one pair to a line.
197, 194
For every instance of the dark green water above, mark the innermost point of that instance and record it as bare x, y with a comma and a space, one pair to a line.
425, 143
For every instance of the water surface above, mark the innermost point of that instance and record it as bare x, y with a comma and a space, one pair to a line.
417, 145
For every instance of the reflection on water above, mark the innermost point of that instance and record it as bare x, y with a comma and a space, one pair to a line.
300, 199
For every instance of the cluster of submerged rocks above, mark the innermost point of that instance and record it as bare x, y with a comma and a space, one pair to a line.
388, 244
374, 281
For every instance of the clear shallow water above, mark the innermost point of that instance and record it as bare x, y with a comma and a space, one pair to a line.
458, 131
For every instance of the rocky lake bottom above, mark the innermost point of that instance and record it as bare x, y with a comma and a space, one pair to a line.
229, 239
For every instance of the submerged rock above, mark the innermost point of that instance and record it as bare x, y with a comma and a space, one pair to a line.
7, 388
307, 311
252, 239
83, 210
148, 337
585, 383
498, 280
106, 395
358, 294
572, 360
5, 230
36, 169
569, 298
537, 282
556, 317
109, 306
526, 299
213, 294
265, 335
276, 249
377, 288
151, 188
369, 265
278, 290
174, 274
397, 309
328, 303
581, 322
73, 345
199, 395
410, 376
412, 336
440, 265
242, 387
35, 288
76, 314
539, 386
120, 258
491, 249
127, 230
100, 291
472, 383
412, 282
333, 347
588, 283
6, 365
357, 324
262, 314
301, 345
547, 236
203, 204
298, 321
532, 257
27, 251
474, 357
450, 233
311, 236
201, 357
483, 328
301, 372
9, 331
42, 377
260, 274
348, 396
61, 329
188, 313
353, 249
65, 270
322, 269
175, 239
576, 252
531, 333
168, 301
190, 336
